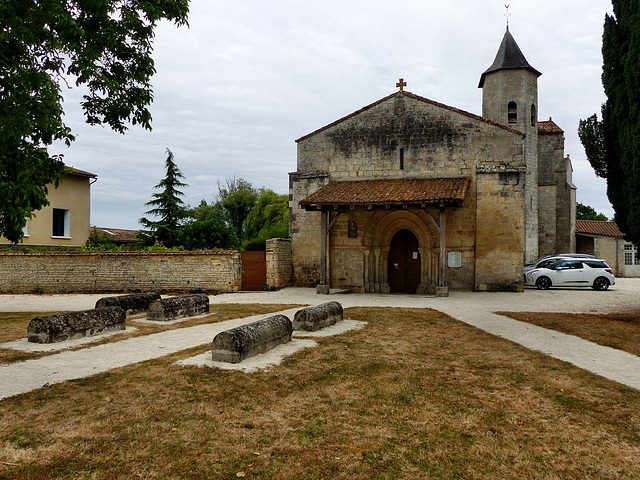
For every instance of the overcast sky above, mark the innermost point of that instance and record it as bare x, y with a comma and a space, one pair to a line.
236, 89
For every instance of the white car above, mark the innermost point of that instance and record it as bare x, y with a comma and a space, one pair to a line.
551, 259
572, 272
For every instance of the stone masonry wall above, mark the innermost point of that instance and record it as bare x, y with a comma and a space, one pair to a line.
96, 272
279, 263
500, 230
433, 141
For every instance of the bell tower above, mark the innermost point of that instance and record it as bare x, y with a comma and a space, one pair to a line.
510, 97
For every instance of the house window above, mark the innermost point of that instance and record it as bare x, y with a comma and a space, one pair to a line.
60, 223
631, 256
25, 230
533, 115
512, 112
402, 159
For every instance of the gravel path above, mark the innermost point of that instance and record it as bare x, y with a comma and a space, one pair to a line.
473, 308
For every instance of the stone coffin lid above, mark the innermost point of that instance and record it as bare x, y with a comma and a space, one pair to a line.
428, 191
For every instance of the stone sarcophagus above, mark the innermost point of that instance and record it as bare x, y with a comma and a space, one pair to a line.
318, 317
131, 304
235, 345
173, 308
69, 325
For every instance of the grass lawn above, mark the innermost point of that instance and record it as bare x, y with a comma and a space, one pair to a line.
14, 326
620, 331
415, 394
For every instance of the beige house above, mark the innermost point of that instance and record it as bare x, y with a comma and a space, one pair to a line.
605, 241
65, 221
410, 195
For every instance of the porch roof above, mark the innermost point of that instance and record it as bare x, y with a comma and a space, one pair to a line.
398, 192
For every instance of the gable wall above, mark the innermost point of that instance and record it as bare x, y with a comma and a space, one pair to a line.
437, 142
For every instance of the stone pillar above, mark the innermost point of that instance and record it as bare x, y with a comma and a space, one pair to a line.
443, 290
323, 288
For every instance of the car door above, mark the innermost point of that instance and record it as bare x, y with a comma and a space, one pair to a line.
569, 274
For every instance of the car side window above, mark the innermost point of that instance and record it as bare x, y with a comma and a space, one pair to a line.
546, 263
575, 265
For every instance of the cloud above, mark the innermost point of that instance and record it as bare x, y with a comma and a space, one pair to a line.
234, 90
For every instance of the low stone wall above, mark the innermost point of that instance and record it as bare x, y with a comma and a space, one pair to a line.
66, 326
279, 263
95, 272
173, 308
135, 303
239, 343
315, 318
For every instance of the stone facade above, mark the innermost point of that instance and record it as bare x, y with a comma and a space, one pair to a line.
72, 272
509, 214
279, 264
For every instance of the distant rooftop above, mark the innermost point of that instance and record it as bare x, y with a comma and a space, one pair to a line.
80, 173
598, 227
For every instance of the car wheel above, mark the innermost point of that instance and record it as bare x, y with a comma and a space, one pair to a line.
544, 283
600, 283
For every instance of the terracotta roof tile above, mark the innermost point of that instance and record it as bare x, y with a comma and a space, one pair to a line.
80, 173
548, 126
598, 227
416, 97
392, 191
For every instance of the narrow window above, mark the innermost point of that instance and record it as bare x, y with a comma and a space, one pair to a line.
534, 116
512, 112
25, 230
402, 159
60, 223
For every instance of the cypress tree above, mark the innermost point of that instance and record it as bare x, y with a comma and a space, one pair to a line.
612, 145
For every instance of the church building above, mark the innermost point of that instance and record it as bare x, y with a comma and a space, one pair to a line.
410, 195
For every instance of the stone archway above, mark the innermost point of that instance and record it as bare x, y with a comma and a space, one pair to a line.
377, 239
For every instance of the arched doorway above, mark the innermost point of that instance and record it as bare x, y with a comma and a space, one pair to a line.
404, 262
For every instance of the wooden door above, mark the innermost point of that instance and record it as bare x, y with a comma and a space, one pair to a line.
404, 263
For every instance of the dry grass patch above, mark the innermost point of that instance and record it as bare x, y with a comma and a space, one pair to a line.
415, 394
13, 326
620, 330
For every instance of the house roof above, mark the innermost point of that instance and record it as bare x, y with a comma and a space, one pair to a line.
509, 56
415, 97
549, 126
598, 227
80, 173
116, 235
390, 192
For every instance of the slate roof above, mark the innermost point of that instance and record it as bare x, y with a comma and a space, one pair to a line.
415, 97
598, 227
549, 126
509, 56
391, 192
80, 173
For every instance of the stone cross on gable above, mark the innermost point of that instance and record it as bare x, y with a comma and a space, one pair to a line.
401, 84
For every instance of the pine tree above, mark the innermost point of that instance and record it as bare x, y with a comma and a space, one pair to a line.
168, 206
612, 145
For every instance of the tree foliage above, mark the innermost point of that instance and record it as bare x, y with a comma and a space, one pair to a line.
208, 229
269, 217
585, 212
168, 206
612, 144
104, 46
237, 197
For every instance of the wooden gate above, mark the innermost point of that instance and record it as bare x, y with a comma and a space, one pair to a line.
254, 270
